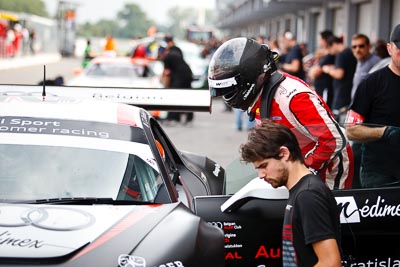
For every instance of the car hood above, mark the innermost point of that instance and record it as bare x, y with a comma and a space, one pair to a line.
54, 231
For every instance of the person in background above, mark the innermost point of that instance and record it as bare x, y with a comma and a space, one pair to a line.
244, 73
58, 81
169, 40
361, 48
18, 39
373, 119
342, 73
311, 234
261, 39
32, 40
275, 47
25, 40
380, 49
293, 60
176, 74
323, 83
243, 118
110, 46
87, 54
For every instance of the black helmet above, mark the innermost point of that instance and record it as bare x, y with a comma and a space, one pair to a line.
235, 68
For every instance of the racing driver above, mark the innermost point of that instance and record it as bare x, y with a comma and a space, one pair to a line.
244, 73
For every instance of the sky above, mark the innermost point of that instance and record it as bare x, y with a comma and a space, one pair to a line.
93, 10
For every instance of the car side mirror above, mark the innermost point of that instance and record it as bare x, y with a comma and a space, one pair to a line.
256, 188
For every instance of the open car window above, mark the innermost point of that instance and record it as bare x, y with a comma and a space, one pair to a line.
379, 155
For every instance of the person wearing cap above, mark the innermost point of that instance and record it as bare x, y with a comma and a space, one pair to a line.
374, 120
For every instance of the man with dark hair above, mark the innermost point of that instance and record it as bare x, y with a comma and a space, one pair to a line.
361, 47
311, 227
323, 83
176, 74
342, 73
169, 40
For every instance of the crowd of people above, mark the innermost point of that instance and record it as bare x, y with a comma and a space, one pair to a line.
16, 39
299, 141
329, 97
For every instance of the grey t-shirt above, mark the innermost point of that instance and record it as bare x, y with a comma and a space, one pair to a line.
362, 70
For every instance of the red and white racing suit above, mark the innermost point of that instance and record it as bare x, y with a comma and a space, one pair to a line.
323, 142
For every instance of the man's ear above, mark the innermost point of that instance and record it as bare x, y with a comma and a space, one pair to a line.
284, 153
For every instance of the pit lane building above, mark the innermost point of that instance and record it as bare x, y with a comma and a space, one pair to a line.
306, 18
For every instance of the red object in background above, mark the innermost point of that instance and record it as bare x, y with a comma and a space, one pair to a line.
140, 51
69, 15
3, 36
17, 41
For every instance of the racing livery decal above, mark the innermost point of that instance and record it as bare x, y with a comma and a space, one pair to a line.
125, 260
238, 246
372, 208
101, 130
131, 261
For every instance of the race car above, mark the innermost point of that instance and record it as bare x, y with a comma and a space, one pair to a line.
97, 183
118, 71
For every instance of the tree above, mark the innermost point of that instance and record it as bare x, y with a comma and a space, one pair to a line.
36, 7
133, 22
178, 16
101, 28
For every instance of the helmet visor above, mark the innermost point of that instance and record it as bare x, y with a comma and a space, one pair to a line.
221, 87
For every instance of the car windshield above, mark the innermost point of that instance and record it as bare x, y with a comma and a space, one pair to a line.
43, 166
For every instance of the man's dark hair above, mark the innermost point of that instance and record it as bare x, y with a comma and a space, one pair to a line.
264, 142
334, 40
326, 34
168, 38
